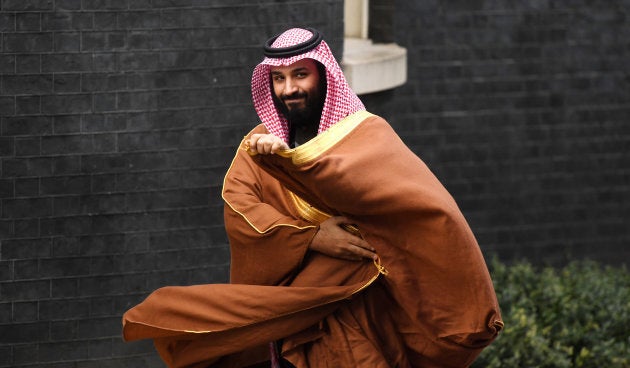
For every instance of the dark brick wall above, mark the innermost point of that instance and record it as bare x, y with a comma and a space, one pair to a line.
118, 120
522, 108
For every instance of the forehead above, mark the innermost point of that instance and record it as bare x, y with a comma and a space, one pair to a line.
308, 64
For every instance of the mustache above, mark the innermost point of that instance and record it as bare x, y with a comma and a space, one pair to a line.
293, 96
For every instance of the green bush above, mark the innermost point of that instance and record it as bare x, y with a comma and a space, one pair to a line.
577, 316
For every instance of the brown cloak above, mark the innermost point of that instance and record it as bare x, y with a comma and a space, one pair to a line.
436, 307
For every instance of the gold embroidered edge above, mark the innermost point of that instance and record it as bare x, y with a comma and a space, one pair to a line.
308, 212
324, 141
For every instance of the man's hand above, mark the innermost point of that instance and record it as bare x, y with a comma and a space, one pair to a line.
334, 241
265, 144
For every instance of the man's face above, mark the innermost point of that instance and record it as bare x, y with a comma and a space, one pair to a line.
297, 88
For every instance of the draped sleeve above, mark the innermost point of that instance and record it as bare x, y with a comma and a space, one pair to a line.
268, 239
446, 307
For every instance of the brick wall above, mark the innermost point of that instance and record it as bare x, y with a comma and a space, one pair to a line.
522, 108
118, 119
117, 122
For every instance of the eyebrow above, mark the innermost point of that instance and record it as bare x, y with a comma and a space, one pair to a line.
296, 70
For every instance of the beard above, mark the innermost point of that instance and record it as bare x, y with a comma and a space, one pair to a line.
304, 116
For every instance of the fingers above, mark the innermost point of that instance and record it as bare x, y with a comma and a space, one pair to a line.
362, 250
356, 245
333, 239
266, 144
350, 228
361, 254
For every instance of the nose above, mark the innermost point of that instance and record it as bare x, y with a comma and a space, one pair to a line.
290, 87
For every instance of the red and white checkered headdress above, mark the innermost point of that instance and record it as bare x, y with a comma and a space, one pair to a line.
340, 100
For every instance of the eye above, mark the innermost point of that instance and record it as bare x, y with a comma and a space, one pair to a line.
277, 78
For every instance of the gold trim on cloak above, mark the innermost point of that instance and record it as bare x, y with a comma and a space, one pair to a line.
321, 142
308, 212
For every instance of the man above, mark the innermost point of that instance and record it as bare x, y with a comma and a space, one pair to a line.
346, 250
